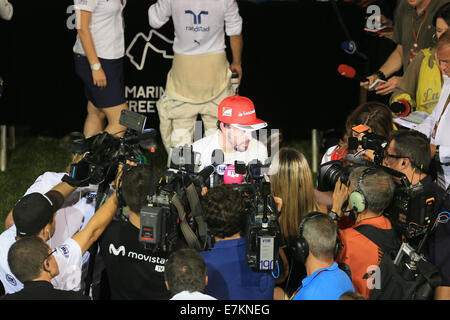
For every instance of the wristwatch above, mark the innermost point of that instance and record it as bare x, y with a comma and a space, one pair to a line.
381, 75
96, 66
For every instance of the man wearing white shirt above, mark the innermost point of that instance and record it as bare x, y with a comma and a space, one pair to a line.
34, 215
437, 125
200, 76
237, 122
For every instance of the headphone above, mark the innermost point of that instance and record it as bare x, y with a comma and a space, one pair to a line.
300, 247
357, 198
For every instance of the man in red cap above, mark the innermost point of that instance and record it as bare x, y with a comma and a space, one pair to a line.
234, 139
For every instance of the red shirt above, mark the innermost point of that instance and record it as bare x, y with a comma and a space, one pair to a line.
359, 253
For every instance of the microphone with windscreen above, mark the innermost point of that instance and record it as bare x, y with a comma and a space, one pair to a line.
349, 72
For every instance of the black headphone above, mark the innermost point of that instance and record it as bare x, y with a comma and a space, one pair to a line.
300, 247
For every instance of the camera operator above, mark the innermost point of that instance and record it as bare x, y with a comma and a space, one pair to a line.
185, 275
76, 211
237, 122
229, 275
34, 215
134, 272
316, 246
31, 260
369, 193
409, 153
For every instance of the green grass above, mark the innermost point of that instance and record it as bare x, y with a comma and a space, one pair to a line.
28, 160
32, 156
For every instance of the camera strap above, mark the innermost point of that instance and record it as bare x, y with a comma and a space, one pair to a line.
385, 239
197, 211
189, 235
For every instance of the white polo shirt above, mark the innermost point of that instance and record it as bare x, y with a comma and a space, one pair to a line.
107, 27
200, 25
256, 150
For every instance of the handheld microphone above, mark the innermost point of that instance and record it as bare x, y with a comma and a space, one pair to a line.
349, 46
349, 72
230, 176
401, 108
217, 157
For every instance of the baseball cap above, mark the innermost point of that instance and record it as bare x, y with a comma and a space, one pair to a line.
240, 112
34, 211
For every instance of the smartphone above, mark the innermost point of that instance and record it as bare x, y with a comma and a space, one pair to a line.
375, 84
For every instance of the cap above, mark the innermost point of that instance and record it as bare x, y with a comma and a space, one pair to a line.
240, 112
34, 211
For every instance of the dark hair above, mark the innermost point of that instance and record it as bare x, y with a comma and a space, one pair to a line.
26, 256
444, 40
413, 145
224, 124
185, 270
137, 183
224, 211
444, 13
373, 114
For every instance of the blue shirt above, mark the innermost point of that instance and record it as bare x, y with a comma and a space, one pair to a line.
230, 277
325, 284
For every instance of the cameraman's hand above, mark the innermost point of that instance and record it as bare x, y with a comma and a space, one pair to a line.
433, 149
279, 203
371, 79
340, 195
99, 78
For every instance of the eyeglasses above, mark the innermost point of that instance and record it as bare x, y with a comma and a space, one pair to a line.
48, 256
387, 155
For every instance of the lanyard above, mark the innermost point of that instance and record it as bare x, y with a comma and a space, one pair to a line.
417, 33
436, 124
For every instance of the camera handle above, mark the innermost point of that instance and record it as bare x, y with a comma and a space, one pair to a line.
102, 195
435, 209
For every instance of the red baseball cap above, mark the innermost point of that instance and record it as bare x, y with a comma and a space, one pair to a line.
240, 112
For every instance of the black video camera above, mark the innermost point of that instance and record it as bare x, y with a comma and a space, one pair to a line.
166, 218
263, 232
104, 152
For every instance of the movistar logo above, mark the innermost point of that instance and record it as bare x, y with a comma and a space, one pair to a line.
116, 252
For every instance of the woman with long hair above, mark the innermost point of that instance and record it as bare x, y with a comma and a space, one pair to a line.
292, 187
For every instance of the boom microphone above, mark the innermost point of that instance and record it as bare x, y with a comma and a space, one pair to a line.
349, 72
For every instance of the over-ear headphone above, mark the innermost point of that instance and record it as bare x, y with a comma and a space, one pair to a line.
357, 199
300, 247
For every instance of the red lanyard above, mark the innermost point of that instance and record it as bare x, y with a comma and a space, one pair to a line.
417, 33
